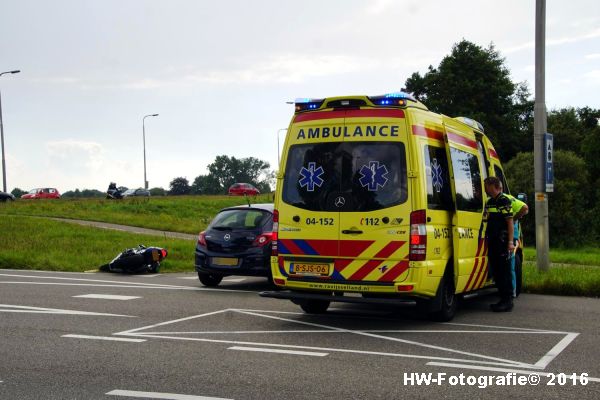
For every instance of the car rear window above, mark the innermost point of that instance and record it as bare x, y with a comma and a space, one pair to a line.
368, 175
242, 220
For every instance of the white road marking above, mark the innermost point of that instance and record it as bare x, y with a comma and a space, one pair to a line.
129, 332
556, 350
264, 350
234, 280
145, 333
361, 333
188, 277
516, 371
115, 339
155, 395
328, 349
41, 310
107, 296
132, 285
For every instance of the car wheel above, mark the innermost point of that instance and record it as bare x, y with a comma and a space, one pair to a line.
518, 272
449, 300
209, 280
314, 306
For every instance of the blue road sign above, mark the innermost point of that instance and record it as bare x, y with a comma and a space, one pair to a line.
548, 162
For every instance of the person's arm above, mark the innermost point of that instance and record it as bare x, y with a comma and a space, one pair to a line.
522, 212
511, 232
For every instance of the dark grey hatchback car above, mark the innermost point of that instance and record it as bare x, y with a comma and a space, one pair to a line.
237, 242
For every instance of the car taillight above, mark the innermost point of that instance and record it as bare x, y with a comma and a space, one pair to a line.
418, 236
263, 240
274, 251
202, 239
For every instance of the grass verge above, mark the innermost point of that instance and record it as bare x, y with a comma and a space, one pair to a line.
187, 214
32, 243
562, 280
581, 256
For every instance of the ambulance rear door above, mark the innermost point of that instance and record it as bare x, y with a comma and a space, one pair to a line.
308, 231
470, 267
374, 198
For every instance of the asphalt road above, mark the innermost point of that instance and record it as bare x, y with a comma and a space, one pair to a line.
107, 336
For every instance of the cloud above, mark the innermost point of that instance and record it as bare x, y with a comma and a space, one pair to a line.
555, 41
88, 154
594, 56
593, 76
286, 68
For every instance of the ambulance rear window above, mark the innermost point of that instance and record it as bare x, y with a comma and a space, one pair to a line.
439, 193
346, 176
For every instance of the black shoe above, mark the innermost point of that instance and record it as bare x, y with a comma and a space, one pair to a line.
502, 306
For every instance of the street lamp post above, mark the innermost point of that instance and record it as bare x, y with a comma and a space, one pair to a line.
144, 139
278, 132
2, 134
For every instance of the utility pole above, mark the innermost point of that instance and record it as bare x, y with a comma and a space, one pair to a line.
539, 131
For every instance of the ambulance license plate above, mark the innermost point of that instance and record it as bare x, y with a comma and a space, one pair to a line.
225, 261
309, 269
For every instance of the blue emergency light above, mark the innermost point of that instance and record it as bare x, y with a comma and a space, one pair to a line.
302, 104
392, 99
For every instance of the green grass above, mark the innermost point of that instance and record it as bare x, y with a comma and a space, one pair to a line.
581, 256
562, 280
33, 243
188, 214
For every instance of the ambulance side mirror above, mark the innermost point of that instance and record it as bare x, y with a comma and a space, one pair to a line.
522, 197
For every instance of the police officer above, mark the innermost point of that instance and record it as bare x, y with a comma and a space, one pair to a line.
500, 240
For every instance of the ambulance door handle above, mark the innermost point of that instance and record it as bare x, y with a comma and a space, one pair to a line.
351, 232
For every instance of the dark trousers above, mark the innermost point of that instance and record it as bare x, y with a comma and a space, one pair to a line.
500, 266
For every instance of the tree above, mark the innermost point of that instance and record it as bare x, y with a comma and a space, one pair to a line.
568, 204
179, 186
207, 184
18, 192
474, 82
225, 171
158, 191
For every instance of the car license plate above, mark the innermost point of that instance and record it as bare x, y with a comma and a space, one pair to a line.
225, 261
309, 269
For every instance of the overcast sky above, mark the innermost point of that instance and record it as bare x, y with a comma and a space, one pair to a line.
219, 73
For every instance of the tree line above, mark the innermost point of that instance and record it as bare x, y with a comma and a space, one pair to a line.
473, 81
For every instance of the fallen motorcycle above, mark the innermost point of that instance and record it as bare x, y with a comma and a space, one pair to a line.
137, 260
113, 193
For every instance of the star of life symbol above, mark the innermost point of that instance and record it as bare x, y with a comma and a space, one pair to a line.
311, 176
373, 176
436, 175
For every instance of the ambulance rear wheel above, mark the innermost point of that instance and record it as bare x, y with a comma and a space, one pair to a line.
314, 306
449, 300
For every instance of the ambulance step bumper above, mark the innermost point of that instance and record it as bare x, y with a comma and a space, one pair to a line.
296, 297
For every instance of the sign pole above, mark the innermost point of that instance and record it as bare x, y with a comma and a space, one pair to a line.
539, 130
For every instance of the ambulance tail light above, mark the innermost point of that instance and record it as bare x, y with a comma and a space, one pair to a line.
418, 236
274, 251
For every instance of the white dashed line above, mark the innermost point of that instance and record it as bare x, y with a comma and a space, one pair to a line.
155, 395
116, 339
264, 350
107, 297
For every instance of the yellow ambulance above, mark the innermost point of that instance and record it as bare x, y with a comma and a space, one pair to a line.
379, 199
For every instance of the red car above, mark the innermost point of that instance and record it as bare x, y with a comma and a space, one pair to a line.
42, 193
240, 189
